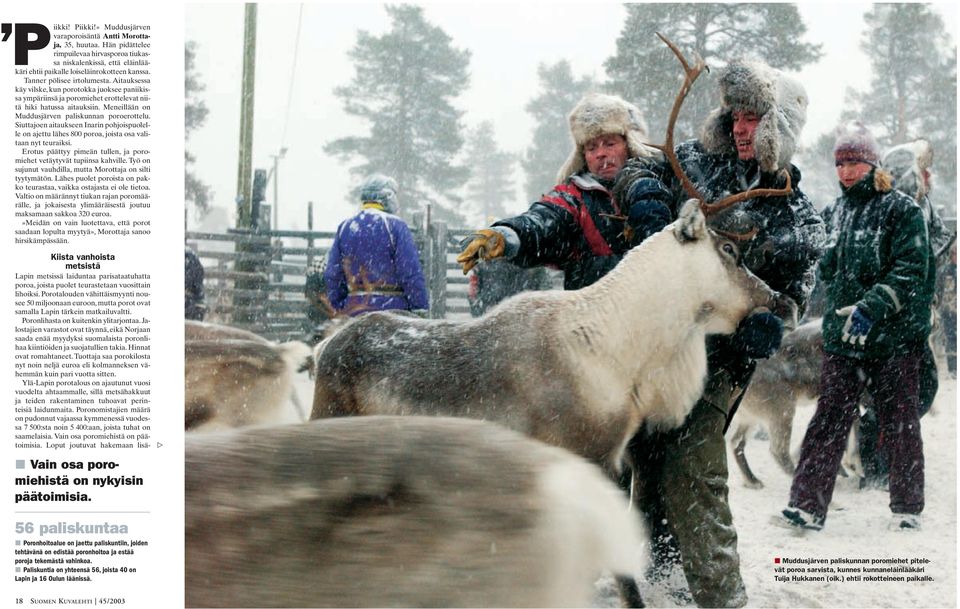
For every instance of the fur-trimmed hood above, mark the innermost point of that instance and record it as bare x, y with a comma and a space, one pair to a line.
781, 102
598, 114
907, 164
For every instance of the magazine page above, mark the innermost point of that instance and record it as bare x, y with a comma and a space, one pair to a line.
91, 176
464, 321
472, 110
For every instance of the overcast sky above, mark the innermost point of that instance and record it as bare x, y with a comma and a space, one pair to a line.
507, 42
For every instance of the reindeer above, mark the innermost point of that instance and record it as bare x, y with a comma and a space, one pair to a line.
779, 384
204, 330
233, 377
397, 511
581, 369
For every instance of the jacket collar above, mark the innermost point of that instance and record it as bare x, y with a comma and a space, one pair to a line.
861, 191
587, 181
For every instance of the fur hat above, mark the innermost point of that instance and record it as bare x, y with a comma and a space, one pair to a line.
779, 100
598, 114
908, 163
856, 144
380, 189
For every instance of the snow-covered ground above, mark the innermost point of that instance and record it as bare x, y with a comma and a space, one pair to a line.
856, 526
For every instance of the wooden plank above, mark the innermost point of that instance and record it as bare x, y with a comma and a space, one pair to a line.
246, 238
212, 274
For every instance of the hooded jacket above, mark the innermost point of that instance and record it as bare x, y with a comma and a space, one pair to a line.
878, 259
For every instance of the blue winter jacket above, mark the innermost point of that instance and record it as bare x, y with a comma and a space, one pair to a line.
373, 265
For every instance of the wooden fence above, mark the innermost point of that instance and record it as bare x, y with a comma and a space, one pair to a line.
255, 280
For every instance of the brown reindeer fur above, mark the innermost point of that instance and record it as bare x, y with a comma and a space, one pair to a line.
397, 512
779, 384
233, 377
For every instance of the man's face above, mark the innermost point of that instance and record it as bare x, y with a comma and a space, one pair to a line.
851, 172
605, 155
744, 125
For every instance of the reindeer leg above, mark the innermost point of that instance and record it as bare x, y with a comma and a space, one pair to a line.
629, 591
739, 442
781, 431
297, 405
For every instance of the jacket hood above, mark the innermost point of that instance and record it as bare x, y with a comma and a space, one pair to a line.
907, 164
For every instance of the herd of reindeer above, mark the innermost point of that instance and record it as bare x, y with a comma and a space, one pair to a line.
468, 463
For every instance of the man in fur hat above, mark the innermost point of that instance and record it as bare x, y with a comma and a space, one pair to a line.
578, 226
680, 476
879, 273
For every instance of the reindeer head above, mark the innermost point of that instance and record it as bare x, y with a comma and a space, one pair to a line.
726, 290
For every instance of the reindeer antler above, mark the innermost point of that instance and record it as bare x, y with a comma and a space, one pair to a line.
691, 74
712, 208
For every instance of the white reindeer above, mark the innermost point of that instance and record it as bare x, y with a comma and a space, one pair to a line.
580, 369
233, 377
397, 512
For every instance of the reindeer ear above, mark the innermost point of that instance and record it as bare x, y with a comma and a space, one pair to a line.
691, 225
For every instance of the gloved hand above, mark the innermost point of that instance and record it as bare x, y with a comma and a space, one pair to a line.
487, 244
758, 336
857, 326
647, 217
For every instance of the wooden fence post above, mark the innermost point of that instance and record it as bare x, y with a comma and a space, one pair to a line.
422, 242
437, 234
310, 238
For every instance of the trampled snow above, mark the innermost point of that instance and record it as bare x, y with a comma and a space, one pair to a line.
856, 528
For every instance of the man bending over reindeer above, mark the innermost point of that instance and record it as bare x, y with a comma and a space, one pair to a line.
680, 476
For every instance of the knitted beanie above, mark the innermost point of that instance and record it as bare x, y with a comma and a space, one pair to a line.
855, 144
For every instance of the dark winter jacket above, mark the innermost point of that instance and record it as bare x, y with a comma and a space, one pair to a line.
572, 228
193, 299
879, 258
936, 230
495, 280
791, 234
373, 265
315, 293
